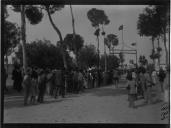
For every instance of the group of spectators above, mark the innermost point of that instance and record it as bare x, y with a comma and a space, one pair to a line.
142, 82
36, 82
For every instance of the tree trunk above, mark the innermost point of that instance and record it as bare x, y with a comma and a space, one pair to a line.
23, 32
6, 59
167, 55
73, 21
153, 47
159, 51
104, 50
73, 27
105, 57
98, 52
60, 37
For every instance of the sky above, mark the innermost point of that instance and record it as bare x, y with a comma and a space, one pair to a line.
117, 14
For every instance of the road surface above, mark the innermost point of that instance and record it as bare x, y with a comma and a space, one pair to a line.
99, 105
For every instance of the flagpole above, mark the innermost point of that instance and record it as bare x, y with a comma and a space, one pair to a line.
122, 43
122, 40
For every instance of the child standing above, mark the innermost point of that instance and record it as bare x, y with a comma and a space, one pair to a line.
33, 90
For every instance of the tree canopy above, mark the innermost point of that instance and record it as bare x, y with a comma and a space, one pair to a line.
87, 56
42, 54
111, 40
113, 62
32, 12
143, 60
97, 17
73, 43
11, 36
147, 24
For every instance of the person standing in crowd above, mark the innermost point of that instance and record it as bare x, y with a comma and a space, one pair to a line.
70, 81
59, 83
142, 81
148, 84
14, 78
17, 77
138, 83
131, 91
115, 78
85, 80
89, 79
27, 85
63, 83
96, 79
34, 87
52, 83
75, 81
166, 85
41, 86
80, 81
161, 76
6, 76
154, 77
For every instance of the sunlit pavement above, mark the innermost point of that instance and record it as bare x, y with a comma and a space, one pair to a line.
99, 105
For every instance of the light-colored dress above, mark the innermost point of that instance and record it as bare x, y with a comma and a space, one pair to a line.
132, 87
166, 88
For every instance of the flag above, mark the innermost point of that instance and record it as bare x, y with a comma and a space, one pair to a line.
121, 27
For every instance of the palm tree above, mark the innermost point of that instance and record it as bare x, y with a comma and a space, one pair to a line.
34, 16
158, 49
97, 18
51, 9
154, 22
73, 21
111, 40
146, 25
74, 44
162, 17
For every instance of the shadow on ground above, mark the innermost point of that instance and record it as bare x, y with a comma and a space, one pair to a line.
19, 103
108, 92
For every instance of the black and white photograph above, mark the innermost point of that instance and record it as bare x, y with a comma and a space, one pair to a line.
68, 63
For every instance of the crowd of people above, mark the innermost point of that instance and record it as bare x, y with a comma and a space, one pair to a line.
36, 82
142, 82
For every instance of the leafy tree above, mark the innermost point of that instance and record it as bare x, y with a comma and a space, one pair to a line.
154, 22
113, 62
162, 14
11, 36
43, 54
73, 43
97, 18
121, 57
159, 49
34, 16
87, 57
147, 25
111, 40
155, 55
51, 9
143, 60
